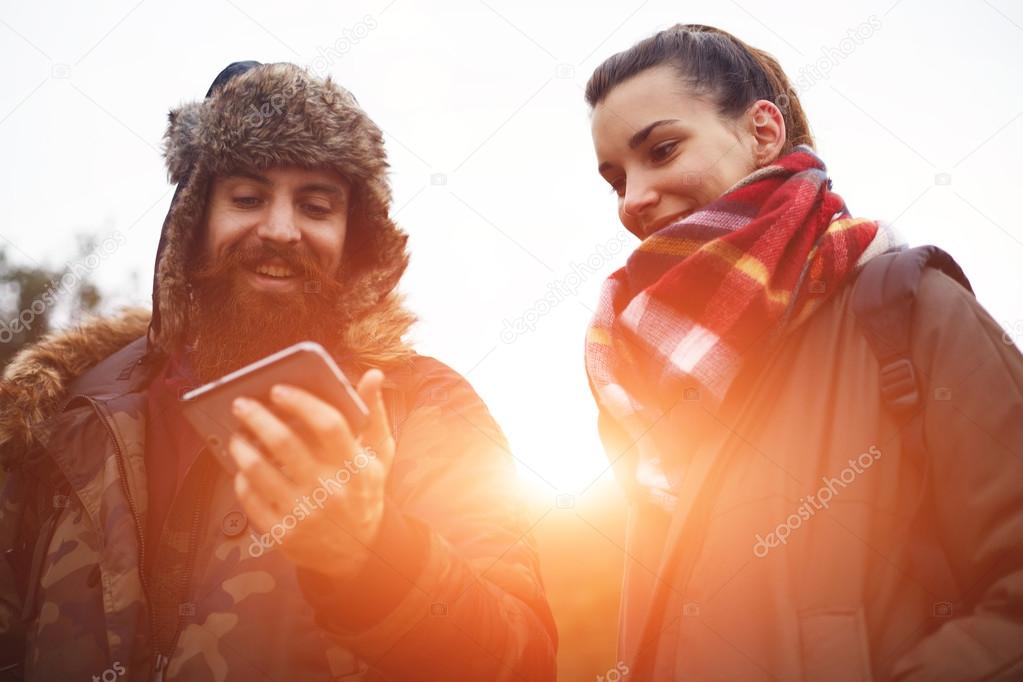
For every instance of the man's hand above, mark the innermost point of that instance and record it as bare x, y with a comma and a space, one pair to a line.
325, 502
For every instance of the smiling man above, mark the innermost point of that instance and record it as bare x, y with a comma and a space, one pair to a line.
268, 275
399, 554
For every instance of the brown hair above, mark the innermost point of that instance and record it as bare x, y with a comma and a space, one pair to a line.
715, 64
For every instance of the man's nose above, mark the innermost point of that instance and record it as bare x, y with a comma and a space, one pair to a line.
279, 225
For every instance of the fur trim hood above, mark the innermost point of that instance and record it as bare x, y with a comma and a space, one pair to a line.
254, 116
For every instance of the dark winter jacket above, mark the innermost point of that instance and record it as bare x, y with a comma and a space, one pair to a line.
807, 544
454, 565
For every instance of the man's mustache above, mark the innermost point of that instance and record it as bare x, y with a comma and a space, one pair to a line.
249, 256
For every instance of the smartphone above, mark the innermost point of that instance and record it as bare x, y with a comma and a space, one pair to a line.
305, 365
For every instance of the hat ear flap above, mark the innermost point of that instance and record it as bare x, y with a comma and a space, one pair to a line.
179, 144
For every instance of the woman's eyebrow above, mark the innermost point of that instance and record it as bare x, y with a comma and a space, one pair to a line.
642, 135
638, 139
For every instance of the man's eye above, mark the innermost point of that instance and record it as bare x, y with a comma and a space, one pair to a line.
663, 151
246, 202
317, 209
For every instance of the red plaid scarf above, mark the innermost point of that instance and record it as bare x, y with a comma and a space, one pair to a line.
697, 296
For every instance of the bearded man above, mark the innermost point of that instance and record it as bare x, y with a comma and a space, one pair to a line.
400, 553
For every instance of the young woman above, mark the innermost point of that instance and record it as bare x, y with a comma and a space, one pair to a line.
786, 521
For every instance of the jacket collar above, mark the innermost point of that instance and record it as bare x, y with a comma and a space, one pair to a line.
98, 358
108, 357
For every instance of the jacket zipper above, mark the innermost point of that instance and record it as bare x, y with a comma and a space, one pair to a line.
159, 667
198, 513
161, 658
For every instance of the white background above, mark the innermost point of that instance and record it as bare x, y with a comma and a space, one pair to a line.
489, 95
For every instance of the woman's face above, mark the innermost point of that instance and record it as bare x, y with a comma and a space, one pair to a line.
667, 153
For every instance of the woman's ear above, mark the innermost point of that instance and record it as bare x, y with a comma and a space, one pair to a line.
767, 125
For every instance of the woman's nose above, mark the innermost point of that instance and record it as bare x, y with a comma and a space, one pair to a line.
638, 198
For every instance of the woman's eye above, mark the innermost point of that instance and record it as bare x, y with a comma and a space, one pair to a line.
663, 151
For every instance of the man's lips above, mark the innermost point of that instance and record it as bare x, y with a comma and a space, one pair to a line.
279, 271
269, 283
271, 275
274, 267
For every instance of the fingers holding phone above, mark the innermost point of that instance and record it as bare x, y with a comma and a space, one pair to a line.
377, 434
341, 477
263, 488
328, 434
318, 452
266, 432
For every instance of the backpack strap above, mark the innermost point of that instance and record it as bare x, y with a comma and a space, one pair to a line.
882, 301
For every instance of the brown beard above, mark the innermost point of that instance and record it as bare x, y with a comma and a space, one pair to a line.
233, 324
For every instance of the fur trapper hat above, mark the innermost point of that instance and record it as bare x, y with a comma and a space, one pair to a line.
257, 116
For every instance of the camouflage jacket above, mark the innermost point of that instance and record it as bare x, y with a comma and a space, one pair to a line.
199, 604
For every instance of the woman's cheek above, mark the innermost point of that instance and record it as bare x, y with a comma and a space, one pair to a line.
629, 222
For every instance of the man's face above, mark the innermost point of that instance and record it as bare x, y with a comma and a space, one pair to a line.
300, 214
268, 272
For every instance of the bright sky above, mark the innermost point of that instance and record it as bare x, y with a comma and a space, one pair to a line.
915, 104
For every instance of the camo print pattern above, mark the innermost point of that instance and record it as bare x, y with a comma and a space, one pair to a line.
225, 613
88, 575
